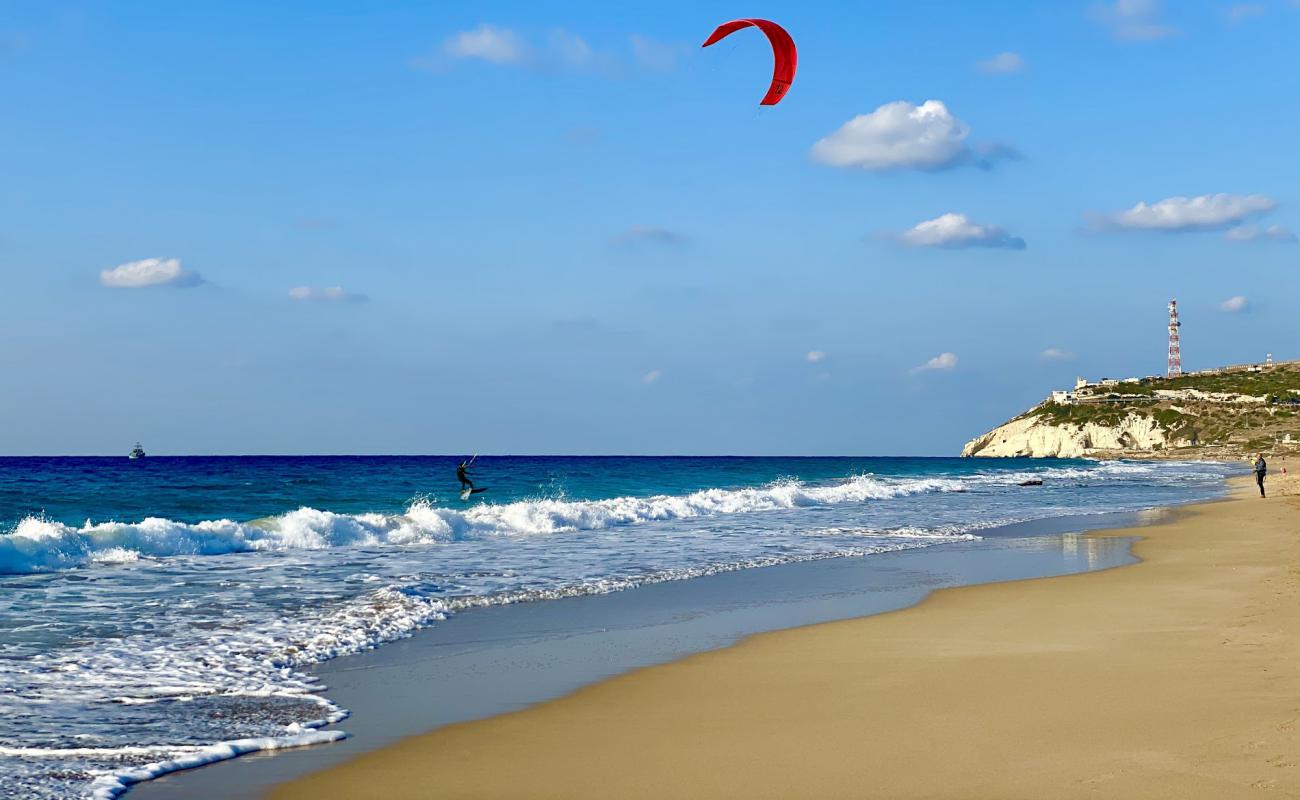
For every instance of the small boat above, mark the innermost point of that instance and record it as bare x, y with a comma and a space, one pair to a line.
1032, 482
137, 452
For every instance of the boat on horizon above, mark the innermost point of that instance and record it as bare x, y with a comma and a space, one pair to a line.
136, 453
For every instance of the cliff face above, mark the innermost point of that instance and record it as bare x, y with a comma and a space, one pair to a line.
1038, 437
1222, 413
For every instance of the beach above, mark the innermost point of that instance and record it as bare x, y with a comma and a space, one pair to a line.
261, 604
540, 401
1172, 677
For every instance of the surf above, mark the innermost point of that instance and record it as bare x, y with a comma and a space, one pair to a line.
41, 545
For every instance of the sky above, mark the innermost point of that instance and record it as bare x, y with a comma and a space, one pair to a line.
517, 227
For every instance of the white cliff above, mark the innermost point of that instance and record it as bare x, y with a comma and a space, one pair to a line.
1211, 397
1039, 437
1221, 413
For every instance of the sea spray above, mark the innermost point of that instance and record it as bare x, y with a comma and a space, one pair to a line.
40, 545
136, 647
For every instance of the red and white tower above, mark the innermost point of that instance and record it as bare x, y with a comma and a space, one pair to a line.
1175, 350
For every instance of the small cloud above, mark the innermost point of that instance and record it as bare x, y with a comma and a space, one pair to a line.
582, 135
956, 231
941, 361
558, 49
1234, 304
570, 49
1056, 354
1133, 20
650, 234
655, 56
903, 135
1203, 212
327, 294
487, 43
149, 272
1002, 64
652, 376
814, 356
1252, 233
1242, 11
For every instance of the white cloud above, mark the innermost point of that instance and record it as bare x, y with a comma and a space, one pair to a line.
149, 272
570, 48
903, 135
1252, 233
815, 355
327, 294
1056, 354
487, 43
941, 361
652, 376
1133, 20
649, 234
1002, 64
654, 55
956, 230
1203, 212
1234, 304
1241, 11
558, 49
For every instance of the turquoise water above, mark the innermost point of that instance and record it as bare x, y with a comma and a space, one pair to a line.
193, 489
160, 613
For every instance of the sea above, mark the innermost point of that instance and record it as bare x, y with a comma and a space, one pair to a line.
163, 613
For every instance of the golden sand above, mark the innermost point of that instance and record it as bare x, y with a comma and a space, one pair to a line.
1178, 677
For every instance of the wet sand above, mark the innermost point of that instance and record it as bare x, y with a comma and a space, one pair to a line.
1175, 677
490, 661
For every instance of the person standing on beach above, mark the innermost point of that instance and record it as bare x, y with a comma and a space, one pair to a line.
1261, 469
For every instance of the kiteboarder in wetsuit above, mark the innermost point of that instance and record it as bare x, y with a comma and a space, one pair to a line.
465, 482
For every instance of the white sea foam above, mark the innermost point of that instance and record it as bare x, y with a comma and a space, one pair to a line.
265, 660
209, 661
40, 545
112, 784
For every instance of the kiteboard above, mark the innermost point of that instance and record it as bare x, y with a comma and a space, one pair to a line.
464, 495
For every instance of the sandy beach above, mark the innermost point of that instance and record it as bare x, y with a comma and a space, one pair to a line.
1174, 677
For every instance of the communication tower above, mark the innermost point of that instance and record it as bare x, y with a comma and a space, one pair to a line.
1175, 349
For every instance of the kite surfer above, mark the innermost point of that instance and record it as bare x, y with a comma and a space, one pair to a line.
461, 470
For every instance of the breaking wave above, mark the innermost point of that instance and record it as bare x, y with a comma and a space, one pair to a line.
228, 665
40, 545
172, 658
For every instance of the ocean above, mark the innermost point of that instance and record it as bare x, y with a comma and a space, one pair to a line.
162, 613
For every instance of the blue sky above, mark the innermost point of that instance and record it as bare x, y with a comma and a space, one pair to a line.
565, 228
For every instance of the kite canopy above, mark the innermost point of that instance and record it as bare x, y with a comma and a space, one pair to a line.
782, 48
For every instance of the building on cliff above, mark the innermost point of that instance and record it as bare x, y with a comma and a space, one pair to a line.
1213, 413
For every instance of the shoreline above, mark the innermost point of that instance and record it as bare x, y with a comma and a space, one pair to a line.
486, 662
1173, 677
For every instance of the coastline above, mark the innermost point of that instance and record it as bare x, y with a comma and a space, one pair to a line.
485, 662
1173, 677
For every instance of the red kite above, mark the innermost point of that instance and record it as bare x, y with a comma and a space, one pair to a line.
782, 49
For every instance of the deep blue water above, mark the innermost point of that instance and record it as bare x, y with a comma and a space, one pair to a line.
194, 488
151, 610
